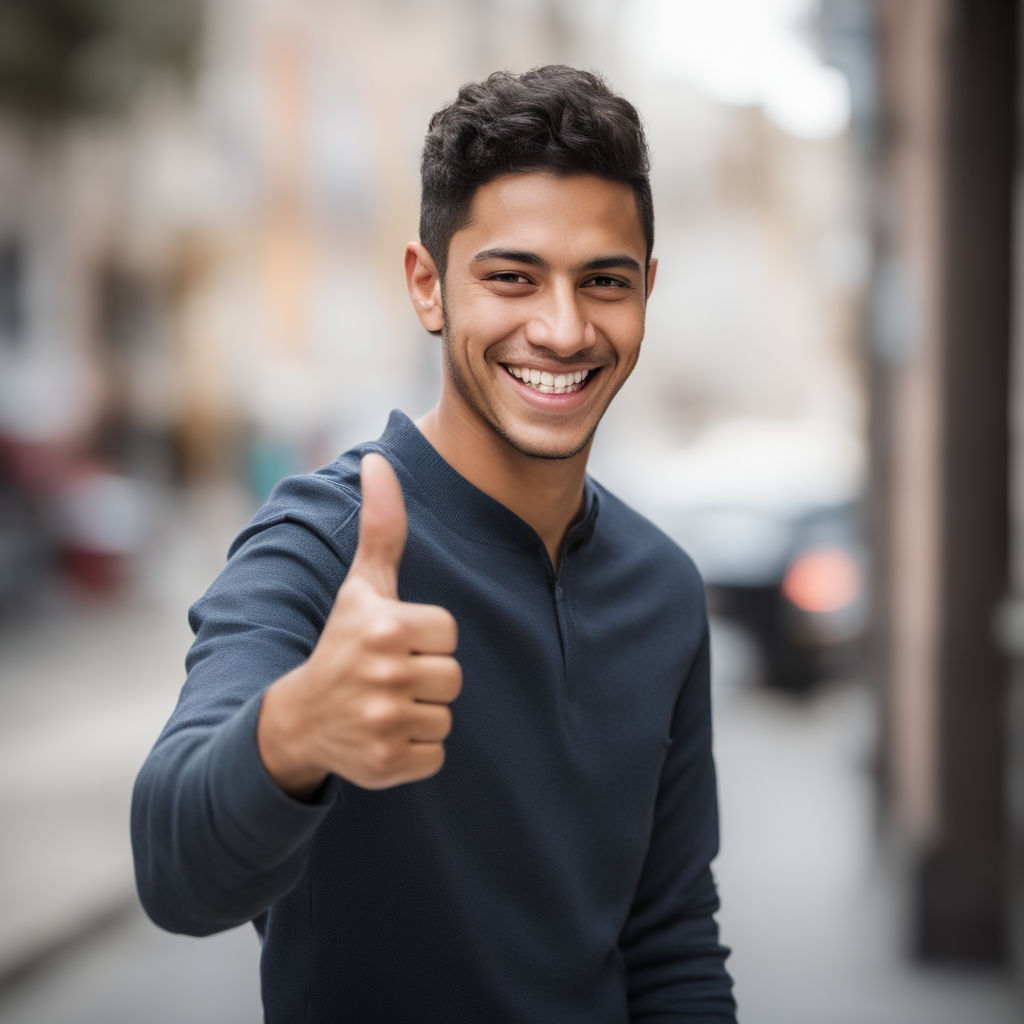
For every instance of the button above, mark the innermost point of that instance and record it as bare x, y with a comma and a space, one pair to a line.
558, 593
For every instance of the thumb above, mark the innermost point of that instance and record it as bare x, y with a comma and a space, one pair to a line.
382, 527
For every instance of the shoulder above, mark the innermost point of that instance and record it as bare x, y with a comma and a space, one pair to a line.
623, 533
323, 503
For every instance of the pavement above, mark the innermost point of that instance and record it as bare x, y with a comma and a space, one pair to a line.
86, 683
814, 898
812, 904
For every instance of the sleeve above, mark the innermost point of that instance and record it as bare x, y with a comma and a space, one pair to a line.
674, 961
215, 840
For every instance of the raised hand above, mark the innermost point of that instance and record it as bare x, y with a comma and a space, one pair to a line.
371, 702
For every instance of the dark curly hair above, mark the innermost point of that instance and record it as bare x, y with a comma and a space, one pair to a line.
553, 118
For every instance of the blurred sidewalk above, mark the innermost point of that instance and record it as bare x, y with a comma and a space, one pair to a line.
85, 687
810, 904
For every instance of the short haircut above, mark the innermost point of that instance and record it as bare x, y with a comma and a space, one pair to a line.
553, 118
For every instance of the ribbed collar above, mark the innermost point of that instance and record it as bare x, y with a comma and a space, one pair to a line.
457, 502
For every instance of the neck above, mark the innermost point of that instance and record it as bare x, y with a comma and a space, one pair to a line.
546, 493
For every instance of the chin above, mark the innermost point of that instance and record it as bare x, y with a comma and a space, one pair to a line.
553, 449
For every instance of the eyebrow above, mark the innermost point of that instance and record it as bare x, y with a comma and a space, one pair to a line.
532, 259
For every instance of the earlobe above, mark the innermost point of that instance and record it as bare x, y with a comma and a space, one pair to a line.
424, 284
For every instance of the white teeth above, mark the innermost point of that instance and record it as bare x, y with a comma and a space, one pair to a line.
549, 383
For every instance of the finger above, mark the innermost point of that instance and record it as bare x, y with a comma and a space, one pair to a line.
424, 760
428, 628
416, 761
434, 679
382, 527
398, 627
432, 723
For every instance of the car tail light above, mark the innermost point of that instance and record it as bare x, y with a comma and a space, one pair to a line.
822, 580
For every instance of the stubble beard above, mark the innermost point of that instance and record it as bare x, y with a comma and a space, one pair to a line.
461, 385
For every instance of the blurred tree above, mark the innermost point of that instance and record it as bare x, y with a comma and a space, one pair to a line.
61, 59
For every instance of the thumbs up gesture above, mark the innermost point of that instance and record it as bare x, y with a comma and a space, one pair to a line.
371, 702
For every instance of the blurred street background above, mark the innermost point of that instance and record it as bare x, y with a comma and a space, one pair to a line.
203, 206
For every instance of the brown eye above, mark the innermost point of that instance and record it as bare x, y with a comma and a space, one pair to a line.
509, 277
604, 281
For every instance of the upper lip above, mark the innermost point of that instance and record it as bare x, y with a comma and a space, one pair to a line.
531, 365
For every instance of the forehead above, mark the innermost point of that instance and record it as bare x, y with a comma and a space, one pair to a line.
538, 211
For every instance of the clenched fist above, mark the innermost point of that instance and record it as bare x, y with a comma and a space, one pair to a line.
371, 702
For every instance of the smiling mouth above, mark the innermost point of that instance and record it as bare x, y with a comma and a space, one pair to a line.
550, 383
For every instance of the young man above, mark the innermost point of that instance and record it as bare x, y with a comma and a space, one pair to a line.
538, 850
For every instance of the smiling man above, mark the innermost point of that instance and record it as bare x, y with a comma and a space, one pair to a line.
538, 850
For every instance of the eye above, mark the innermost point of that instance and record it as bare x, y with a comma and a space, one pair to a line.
509, 277
604, 281
509, 284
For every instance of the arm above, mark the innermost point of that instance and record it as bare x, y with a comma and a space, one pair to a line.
675, 964
216, 840
286, 692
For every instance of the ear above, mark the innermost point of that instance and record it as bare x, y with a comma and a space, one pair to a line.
652, 272
424, 285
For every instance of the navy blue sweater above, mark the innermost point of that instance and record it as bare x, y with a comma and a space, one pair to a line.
557, 868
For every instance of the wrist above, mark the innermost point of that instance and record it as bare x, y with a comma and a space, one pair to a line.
280, 739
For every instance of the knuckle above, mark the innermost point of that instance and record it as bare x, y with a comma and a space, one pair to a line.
383, 632
385, 673
382, 716
383, 759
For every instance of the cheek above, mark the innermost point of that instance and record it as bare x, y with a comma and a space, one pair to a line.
479, 316
494, 317
624, 328
491, 326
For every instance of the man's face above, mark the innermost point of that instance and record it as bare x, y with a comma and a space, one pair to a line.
544, 301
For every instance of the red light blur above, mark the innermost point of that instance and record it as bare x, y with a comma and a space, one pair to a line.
822, 580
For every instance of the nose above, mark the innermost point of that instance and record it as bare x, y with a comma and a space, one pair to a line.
558, 323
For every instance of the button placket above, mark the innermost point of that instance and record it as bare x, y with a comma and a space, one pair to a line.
566, 628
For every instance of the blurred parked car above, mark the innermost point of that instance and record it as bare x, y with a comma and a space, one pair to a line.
771, 513
795, 579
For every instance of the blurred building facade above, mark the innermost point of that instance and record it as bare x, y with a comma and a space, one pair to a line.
948, 516
206, 281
